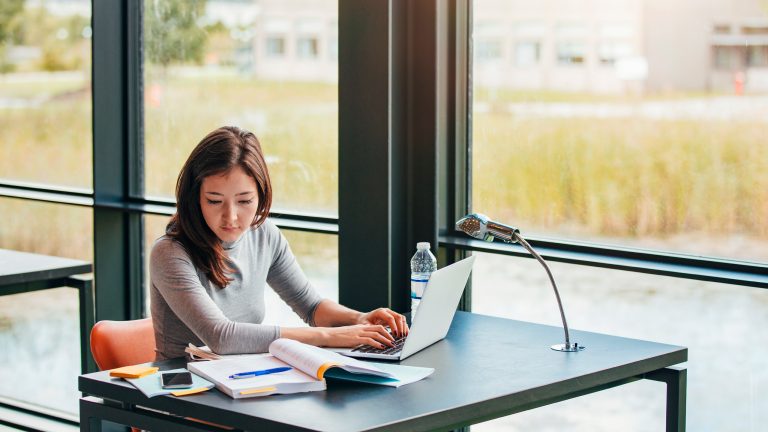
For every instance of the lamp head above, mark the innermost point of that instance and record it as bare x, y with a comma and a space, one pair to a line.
475, 225
478, 225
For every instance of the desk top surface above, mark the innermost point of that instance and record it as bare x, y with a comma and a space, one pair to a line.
21, 267
486, 367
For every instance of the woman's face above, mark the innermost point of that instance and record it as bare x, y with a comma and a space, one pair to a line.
229, 203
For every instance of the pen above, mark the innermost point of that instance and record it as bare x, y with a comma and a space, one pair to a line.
250, 374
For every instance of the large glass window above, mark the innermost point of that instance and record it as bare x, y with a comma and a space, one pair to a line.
45, 92
649, 150
661, 148
39, 331
210, 64
718, 323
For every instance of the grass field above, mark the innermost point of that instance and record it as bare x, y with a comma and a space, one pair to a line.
585, 177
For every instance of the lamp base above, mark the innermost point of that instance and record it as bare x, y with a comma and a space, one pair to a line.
572, 347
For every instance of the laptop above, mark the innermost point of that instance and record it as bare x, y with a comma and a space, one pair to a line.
433, 318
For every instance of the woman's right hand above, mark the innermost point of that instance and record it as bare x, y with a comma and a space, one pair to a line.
341, 337
353, 335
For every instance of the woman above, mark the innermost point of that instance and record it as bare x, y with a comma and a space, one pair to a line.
209, 271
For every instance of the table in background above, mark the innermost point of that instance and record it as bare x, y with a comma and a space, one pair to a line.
486, 368
22, 272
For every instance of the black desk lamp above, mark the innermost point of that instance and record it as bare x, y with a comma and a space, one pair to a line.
480, 227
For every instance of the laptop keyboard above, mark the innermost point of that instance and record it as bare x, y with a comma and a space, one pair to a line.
399, 342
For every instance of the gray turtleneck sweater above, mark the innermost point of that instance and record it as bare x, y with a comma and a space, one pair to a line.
188, 308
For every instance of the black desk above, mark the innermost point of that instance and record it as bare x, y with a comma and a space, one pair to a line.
24, 272
486, 368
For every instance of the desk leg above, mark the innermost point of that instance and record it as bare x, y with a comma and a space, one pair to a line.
84, 286
89, 420
676, 379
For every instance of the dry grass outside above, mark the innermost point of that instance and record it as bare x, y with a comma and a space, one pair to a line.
623, 177
296, 125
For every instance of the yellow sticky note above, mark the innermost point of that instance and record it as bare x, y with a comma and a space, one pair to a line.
258, 390
136, 371
189, 392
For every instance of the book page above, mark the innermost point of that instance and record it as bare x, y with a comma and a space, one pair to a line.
315, 361
219, 372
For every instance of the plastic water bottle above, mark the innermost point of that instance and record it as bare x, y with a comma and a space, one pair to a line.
423, 264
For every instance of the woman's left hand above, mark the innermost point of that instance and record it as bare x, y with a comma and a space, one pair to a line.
387, 317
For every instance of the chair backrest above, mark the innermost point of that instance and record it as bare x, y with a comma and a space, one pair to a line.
116, 344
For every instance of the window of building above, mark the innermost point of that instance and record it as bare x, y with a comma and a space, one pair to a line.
571, 53
527, 53
611, 51
275, 46
307, 47
757, 56
754, 29
488, 49
721, 29
727, 57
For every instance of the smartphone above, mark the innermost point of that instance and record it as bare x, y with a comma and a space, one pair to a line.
173, 380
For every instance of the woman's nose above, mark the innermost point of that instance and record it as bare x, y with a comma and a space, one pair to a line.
229, 213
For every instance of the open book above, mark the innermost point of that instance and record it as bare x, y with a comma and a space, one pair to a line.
310, 366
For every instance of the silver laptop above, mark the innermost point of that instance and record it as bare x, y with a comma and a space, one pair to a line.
433, 318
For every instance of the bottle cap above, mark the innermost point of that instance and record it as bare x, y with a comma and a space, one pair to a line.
422, 245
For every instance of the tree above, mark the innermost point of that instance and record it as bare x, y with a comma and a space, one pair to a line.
9, 9
171, 31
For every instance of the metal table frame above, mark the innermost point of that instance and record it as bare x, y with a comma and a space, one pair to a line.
489, 386
35, 272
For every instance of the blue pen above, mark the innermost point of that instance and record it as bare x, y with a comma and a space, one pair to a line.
256, 373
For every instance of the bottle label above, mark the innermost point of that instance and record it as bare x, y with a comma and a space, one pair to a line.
418, 285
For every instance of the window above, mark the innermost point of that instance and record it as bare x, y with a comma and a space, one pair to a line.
755, 29
727, 57
631, 305
527, 53
39, 331
571, 53
721, 29
275, 46
45, 93
620, 164
235, 65
611, 51
757, 56
307, 47
488, 49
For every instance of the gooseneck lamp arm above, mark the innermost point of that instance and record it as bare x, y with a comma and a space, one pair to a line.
479, 226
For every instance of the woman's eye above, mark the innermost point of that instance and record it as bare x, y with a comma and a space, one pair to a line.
246, 202
212, 202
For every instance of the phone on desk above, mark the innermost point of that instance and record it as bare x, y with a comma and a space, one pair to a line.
176, 380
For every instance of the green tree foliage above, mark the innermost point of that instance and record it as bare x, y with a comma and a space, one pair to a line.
172, 32
9, 10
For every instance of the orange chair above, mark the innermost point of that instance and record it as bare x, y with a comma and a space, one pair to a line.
116, 344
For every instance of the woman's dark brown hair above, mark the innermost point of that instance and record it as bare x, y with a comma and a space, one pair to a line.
217, 153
